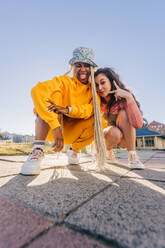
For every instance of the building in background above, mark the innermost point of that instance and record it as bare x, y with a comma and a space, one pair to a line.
16, 138
157, 127
148, 139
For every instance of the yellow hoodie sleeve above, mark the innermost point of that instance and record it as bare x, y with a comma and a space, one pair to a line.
83, 111
51, 89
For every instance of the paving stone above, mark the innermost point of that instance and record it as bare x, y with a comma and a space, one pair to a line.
9, 168
143, 154
14, 158
62, 237
18, 225
154, 165
61, 160
159, 154
158, 163
150, 174
54, 192
10, 165
131, 212
156, 159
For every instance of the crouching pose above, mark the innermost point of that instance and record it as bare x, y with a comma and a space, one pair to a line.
72, 97
122, 112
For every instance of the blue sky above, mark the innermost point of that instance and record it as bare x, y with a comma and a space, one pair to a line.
37, 38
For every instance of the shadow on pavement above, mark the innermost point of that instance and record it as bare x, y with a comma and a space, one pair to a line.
117, 205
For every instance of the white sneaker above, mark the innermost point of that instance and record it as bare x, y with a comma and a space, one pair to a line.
134, 162
111, 157
72, 157
33, 163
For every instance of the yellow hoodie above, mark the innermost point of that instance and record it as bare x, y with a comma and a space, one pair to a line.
63, 91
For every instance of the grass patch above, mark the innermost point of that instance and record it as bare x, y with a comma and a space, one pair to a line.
25, 148
21, 149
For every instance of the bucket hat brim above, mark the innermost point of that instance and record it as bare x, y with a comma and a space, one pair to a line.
87, 61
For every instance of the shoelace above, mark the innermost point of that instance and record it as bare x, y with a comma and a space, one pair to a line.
111, 155
35, 154
133, 158
74, 154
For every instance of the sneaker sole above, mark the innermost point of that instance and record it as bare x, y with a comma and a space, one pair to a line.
30, 171
26, 173
137, 168
73, 163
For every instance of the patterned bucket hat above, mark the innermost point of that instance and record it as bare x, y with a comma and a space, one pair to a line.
84, 55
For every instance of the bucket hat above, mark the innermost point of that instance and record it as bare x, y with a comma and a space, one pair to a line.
84, 55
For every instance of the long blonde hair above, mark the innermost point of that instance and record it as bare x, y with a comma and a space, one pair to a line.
98, 131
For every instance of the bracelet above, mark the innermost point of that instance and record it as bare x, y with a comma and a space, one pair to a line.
69, 110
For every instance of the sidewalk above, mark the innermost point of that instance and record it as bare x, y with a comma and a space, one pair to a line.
75, 206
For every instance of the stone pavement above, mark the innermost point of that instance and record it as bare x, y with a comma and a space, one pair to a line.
75, 206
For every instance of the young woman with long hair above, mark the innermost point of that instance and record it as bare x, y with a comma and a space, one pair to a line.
122, 112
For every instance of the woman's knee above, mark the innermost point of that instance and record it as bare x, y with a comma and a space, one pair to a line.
113, 135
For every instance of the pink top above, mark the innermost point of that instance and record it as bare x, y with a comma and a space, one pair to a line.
134, 115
